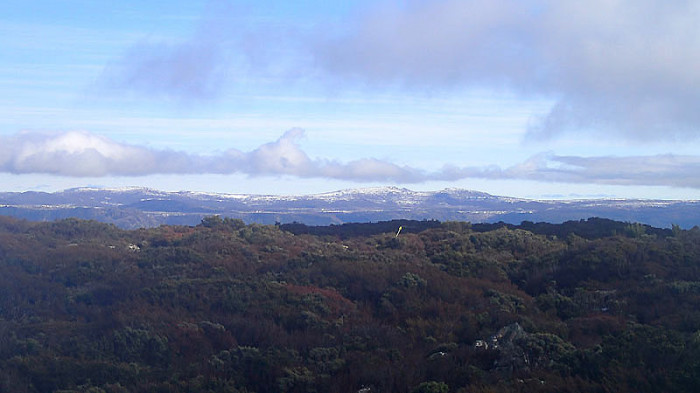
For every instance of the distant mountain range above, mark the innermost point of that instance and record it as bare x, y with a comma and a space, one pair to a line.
142, 207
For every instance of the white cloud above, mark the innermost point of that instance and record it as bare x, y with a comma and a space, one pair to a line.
82, 154
625, 66
183, 70
657, 170
285, 157
78, 153
186, 71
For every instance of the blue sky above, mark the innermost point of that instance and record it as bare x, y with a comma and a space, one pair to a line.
536, 99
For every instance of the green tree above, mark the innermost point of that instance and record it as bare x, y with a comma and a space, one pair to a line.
431, 387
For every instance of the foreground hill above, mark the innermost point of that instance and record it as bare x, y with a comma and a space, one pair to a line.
138, 207
585, 306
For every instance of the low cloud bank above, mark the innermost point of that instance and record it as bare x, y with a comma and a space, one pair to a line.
655, 170
83, 154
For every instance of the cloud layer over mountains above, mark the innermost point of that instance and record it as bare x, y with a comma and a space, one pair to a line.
610, 87
82, 154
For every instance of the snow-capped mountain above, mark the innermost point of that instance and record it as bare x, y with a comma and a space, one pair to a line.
143, 207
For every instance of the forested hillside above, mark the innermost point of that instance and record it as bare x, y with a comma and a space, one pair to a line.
585, 306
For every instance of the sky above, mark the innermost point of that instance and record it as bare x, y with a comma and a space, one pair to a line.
544, 99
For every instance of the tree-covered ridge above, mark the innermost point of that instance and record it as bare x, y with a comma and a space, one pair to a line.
585, 306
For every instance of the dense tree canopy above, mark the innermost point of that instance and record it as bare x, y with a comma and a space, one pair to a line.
585, 306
